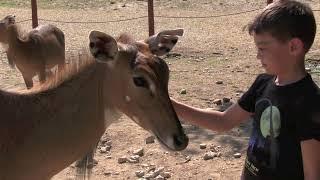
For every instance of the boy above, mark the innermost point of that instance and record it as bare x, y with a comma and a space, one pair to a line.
284, 102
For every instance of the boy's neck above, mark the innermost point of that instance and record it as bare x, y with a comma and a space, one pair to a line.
291, 76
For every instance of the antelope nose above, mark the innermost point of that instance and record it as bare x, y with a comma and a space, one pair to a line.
174, 41
180, 141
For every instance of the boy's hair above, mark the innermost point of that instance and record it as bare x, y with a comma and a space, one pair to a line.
286, 19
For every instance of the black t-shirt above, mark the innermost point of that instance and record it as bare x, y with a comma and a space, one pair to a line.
283, 117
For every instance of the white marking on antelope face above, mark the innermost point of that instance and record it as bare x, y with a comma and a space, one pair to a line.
128, 99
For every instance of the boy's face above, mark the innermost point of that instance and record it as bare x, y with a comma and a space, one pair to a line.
273, 54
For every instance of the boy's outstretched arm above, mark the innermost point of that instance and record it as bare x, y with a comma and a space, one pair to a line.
310, 150
210, 119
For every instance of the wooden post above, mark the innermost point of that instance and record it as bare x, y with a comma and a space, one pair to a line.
34, 13
151, 17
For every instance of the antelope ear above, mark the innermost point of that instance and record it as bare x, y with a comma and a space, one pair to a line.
102, 46
11, 19
163, 42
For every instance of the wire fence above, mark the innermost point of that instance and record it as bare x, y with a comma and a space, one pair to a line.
143, 17
315, 65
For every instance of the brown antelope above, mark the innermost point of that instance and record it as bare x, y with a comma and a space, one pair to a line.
46, 128
162, 43
34, 52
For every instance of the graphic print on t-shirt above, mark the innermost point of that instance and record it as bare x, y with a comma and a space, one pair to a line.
263, 148
271, 115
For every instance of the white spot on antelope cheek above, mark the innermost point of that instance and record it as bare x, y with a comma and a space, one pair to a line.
128, 99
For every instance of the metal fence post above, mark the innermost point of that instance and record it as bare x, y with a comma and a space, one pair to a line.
151, 17
34, 13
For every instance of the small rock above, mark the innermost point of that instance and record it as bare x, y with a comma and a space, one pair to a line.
237, 155
183, 91
187, 159
159, 177
213, 148
151, 168
134, 159
219, 154
219, 82
107, 173
155, 173
104, 149
203, 146
149, 176
108, 157
139, 173
217, 101
139, 152
209, 155
150, 139
144, 165
308, 69
108, 143
159, 170
226, 100
166, 174
122, 159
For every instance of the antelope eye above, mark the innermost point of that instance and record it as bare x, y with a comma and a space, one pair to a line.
140, 82
164, 49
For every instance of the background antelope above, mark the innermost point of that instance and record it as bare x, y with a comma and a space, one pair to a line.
34, 52
45, 129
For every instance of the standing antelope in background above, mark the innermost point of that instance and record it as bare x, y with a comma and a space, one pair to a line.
34, 52
45, 129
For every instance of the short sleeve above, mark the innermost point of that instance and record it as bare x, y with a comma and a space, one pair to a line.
248, 99
309, 127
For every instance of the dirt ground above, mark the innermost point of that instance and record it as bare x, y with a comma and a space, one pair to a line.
212, 49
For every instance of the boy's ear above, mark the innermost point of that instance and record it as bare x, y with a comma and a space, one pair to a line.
296, 46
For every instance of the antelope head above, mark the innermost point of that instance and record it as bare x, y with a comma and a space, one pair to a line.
163, 42
137, 81
4, 23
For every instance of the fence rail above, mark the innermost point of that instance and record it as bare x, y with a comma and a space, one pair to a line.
145, 17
